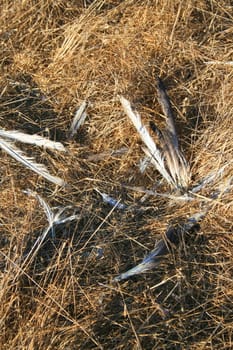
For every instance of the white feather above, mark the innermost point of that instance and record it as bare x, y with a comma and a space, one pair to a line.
32, 139
144, 163
29, 162
79, 119
152, 150
54, 218
161, 249
48, 211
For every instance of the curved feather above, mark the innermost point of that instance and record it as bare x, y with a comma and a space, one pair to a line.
32, 139
152, 150
29, 162
171, 238
78, 120
167, 110
48, 211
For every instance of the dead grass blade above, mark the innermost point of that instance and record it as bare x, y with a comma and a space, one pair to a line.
63, 312
55, 55
224, 63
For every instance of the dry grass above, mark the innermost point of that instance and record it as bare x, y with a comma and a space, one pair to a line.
54, 55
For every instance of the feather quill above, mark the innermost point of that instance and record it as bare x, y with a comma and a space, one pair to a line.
32, 139
29, 162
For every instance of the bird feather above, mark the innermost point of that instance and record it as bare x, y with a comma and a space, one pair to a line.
172, 237
151, 150
78, 120
32, 139
167, 110
29, 162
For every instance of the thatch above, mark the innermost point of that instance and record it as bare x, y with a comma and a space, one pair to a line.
55, 55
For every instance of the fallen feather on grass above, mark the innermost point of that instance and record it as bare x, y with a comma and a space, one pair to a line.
54, 219
152, 150
54, 216
48, 211
172, 237
78, 120
210, 178
144, 163
170, 162
32, 139
112, 201
29, 162
184, 197
168, 113
177, 165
